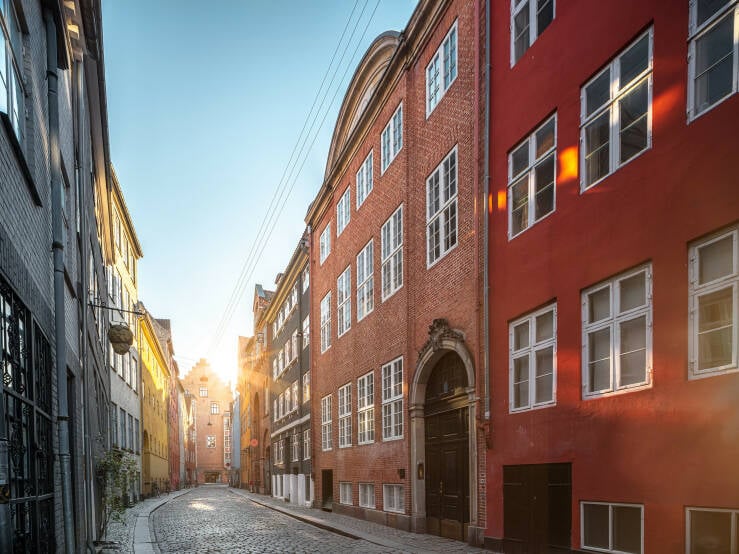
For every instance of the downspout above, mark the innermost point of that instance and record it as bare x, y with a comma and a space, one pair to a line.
486, 222
57, 246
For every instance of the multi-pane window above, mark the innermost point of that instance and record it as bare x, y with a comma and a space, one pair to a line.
533, 350
441, 70
134, 374
364, 180
367, 495
712, 54
612, 527
306, 331
714, 303
345, 415
712, 530
617, 333
392, 498
366, 409
11, 67
122, 421
210, 441
391, 140
616, 115
131, 445
343, 212
203, 392
531, 178
392, 253
529, 18
365, 281
214, 408
306, 444
343, 301
306, 386
294, 345
306, 278
345, 493
113, 424
137, 439
296, 399
392, 400
441, 209
324, 245
326, 443
295, 445
326, 322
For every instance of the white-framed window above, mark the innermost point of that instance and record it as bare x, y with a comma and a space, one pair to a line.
295, 350
215, 408
211, 441
326, 322
533, 360
343, 301
324, 245
295, 392
345, 493
306, 386
392, 254
366, 409
616, 112
343, 212
714, 304
306, 331
345, 416
392, 400
306, 278
529, 18
441, 209
710, 530
367, 495
531, 178
610, 527
617, 333
393, 499
391, 140
713, 54
364, 180
365, 281
275, 409
441, 71
295, 444
12, 95
306, 444
326, 443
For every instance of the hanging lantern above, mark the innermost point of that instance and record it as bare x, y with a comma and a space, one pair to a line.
120, 337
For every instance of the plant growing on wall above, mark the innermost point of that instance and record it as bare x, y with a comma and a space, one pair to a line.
115, 470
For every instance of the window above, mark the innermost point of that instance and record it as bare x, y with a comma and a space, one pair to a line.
444, 60
343, 301
306, 331
296, 400
214, 408
306, 386
391, 140
393, 498
326, 322
11, 63
367, 495
365, 281
134, 374
113, 424
137, 440
294, 346
366, 409
295, 443
345, 493
345, 416
306, 278
326, 423
392, 400
529, 18
364, 180
531, 178
275, 409
616, 121
203, 392
325, 243
714, 297
392, 254
712, 54
617, 335
123, 435
441, 209
343, 212
533, 359
612, 527
306, 444
710, 530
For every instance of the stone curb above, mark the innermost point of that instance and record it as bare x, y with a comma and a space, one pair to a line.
143, 531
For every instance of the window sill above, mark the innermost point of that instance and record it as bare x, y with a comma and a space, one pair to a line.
693, 116
696, 375
606, 394
391, 294
513, 411
21, 159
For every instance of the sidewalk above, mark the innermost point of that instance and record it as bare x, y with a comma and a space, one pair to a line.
386, 537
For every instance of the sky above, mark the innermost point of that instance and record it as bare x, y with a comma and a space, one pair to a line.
206, 104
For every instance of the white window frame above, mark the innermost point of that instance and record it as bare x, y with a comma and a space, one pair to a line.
13, 91
611, 106
326, 322
366, 409
392, 400
295, 443
444, 59
392, 253
305, 278
306, 444
530, 351
534, 32
397, 494
324, 247
326, 421
345, 493
367, 495
365, 179
306, 331
613, 324
366, 280
345, 415
697, 32
344, 302
442, 177
697, 290
610, 505
343, 211
734, 544
391, 139
306, 386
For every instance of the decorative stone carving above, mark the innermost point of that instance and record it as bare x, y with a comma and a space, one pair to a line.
439, 331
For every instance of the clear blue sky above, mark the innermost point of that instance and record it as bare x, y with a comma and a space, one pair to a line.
205, 103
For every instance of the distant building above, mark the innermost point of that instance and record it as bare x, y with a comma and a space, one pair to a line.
235, 478
190, 437
164, 334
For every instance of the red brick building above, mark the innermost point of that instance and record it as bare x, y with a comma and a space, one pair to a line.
613, 276
394, 269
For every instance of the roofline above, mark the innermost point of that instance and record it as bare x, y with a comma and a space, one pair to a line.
126, 215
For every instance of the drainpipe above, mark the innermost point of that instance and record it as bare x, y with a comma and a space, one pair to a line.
485, 220
57, 246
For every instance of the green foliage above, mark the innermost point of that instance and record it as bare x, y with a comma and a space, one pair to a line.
115, 469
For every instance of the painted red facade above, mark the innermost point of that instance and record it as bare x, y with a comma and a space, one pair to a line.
673, 443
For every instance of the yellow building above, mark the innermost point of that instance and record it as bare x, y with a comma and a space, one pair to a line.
154, 402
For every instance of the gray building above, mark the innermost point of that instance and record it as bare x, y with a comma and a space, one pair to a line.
235, 477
